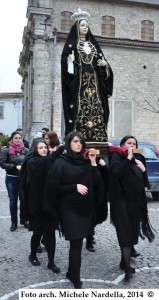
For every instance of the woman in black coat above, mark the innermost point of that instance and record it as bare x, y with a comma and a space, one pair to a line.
128, 204
76, 182
11, 160
36, 167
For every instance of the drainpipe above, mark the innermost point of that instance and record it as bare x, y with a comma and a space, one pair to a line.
53, 93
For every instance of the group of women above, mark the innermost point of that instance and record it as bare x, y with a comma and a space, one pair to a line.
64, 190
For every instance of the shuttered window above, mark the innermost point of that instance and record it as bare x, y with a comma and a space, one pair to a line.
1, 111
108, 26
147, 30
66, 21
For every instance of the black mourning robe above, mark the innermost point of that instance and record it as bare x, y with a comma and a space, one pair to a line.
85, 93
128, 204
36, 167
76, 212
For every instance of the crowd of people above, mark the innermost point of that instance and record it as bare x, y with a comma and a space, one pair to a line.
67, 188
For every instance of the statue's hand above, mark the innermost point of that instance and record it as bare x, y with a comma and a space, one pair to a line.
101, 62
71, 56
70, 65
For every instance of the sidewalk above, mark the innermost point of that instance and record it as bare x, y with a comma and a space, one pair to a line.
99, 269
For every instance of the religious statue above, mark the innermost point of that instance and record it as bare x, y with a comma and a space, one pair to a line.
87, 82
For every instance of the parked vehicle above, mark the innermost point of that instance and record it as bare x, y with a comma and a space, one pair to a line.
151, 154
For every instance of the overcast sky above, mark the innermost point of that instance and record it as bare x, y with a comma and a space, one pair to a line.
12, 22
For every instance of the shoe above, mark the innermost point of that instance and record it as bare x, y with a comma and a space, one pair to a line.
90, 239
93, 242
78, 286
128, 274
134, 253
90, 247
34, 260
53, 268
69, 277
39, 249
122, 267
25, 223
13, 227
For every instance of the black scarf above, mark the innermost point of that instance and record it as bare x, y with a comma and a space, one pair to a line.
128, 180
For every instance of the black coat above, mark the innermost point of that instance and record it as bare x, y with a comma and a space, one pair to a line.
128, 204
9, 162
26, 143
37, 168
76, 211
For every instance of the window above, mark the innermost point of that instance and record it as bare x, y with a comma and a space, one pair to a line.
1, 111
147, 30
148, 153
66, 21
122, 118
108, 26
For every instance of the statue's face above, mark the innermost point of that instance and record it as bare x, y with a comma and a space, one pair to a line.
83, 28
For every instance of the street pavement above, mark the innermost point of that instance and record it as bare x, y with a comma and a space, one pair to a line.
99, 270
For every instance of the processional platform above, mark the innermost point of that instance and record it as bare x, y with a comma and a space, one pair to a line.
101, 149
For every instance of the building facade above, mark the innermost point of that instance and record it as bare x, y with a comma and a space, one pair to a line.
128, 32
10, 112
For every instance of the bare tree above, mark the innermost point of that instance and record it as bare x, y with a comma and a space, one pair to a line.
151, 107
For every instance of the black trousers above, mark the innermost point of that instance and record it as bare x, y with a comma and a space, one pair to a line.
50, 241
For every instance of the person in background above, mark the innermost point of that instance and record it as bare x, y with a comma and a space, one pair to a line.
11, 160
52, 140
128, 203
25, 142
73, 184
44, 130
36, 165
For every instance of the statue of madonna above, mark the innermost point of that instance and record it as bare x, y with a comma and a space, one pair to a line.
87, 82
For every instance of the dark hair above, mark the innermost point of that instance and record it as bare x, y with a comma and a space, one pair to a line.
69, 139
19, 129
54, 140
46, 129
13, 134
126, 137
34, 146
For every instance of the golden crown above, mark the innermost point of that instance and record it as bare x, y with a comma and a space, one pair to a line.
80, 15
